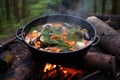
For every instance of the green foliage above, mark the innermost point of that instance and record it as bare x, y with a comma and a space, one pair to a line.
36, 8
2, 36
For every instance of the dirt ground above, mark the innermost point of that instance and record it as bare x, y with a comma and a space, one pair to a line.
3, 40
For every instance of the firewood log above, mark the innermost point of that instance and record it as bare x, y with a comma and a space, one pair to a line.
98, 61
25, 70
110, 38
94, 60
6, 59
22, 67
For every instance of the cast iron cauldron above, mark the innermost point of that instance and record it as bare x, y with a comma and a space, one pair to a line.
64, 57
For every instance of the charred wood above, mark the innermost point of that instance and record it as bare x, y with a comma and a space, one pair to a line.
22, 66
90, 75
5, 61
24, 71
98, 61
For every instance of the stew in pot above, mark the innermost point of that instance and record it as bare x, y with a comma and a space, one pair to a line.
58, 37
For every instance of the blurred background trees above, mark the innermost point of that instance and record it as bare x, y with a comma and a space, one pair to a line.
16, 13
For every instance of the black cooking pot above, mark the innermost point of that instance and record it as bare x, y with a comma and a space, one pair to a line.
63, 57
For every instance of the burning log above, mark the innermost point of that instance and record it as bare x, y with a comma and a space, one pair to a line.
90, 75
61, 73
92, 61
98, 61
110, 38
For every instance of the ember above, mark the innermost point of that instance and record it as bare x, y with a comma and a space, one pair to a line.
52, 71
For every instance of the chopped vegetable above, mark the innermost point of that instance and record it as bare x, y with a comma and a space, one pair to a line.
71, 43
37, 44
80, 44
55, 37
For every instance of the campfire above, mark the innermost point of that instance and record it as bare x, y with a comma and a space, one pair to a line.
101, 61
52, 71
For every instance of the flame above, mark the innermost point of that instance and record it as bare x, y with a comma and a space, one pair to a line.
64, 71
49, 67
54, 66
58, 70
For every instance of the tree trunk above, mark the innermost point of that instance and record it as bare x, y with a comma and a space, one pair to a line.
1, 16
94, 6
109, 38
114, 6
1, 26
118, 7
103, 6
16, 10
24, 8
7, 7
2, 7
66, 3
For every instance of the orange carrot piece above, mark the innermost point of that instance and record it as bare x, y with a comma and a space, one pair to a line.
33, 35
70, 43
53, 37
57, 24
65, 34
57, 49
72, 49
37, 44
64, 38
86, 42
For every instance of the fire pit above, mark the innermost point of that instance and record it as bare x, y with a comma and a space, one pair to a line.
95, 66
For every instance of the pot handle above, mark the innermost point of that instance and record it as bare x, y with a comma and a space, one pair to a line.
96, 40
19, 34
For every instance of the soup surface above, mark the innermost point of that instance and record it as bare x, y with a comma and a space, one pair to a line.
58, 37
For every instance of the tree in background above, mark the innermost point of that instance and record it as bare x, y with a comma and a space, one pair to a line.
16, 10
2, 11
118, 6
16, 13
7, 9
103, 6
24, 8
1, 15
1, 26
114, 6
94, 6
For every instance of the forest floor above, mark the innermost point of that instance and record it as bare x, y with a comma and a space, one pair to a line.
2, 40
